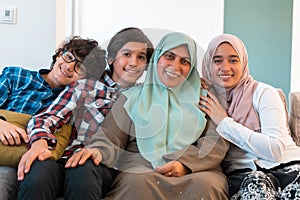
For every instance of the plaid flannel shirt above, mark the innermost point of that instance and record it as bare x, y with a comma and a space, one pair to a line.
25, 91
84, 104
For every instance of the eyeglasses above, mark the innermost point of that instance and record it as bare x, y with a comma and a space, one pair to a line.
68, 57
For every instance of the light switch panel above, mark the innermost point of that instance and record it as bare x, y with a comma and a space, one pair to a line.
8, 14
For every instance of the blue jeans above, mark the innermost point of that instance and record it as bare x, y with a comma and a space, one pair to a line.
8, 183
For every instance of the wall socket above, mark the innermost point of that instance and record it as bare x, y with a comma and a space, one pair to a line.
8, 14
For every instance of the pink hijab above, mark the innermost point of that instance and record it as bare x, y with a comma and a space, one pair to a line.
238, 99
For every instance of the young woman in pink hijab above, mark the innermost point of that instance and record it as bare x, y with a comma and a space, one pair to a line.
263, 160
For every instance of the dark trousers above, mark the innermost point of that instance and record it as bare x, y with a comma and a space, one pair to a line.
49, 179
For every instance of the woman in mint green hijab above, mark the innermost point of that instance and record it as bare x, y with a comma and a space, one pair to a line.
156, 135
165, 108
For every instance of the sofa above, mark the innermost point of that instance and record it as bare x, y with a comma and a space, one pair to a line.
294, 116
293, 113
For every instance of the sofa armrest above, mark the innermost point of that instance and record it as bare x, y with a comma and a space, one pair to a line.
294, 116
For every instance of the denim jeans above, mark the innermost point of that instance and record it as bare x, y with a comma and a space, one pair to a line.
8, 183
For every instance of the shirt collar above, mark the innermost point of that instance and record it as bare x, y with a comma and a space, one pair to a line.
110, 81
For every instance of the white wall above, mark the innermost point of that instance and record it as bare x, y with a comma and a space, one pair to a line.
295, 70
200, 19
42, 25
31, 41
100, 20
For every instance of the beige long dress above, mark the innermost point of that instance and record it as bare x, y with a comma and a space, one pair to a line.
138, 180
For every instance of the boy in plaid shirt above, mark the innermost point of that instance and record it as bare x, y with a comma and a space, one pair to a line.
29, 92
84, 104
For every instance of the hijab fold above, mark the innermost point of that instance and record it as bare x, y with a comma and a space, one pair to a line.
166, 119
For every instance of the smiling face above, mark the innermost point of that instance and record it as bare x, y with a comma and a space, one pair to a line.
63, 73
174, 66
130, 63
226, 66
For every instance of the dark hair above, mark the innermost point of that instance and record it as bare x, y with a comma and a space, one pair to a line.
130, 34
92, 56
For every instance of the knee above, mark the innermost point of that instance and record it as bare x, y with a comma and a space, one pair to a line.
39, 175
214, 185
135, 180
83, 176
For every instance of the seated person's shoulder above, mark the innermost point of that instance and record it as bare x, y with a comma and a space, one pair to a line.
10, 69
265, 88
17, 70
267, 92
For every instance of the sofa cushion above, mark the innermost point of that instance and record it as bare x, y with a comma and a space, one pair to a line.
294, 117
10, 155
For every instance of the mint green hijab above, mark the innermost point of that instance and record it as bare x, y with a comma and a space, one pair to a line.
166, 119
